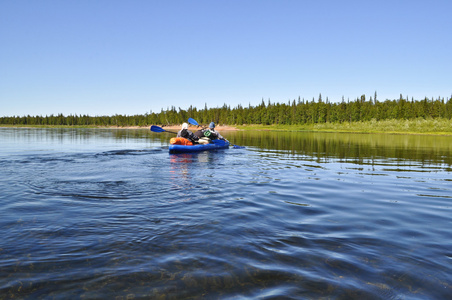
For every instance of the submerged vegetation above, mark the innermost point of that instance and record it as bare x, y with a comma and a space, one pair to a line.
401, 115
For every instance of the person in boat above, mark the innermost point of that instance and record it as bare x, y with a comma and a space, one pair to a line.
185, 133
213, 133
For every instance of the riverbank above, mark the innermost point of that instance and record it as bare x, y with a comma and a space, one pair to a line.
416, 126
194, 128
171, 127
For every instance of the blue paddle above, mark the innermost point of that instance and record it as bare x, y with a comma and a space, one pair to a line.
155, 128
193, 122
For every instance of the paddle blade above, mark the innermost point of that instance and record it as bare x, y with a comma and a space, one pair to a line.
238, 147
193, 121
155, 128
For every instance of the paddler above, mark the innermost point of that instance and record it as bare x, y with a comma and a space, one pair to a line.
185, 133
213, 133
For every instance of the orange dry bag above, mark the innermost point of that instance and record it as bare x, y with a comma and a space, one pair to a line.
180, 141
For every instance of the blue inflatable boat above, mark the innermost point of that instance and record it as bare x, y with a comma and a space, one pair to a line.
215, 144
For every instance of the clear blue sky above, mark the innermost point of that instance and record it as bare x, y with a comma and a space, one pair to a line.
130, 57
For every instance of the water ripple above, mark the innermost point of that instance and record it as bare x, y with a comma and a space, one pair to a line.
136, 222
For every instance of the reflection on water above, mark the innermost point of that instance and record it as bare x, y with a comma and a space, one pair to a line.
354, 147
95, 213
182, 159
66, 135
425, 149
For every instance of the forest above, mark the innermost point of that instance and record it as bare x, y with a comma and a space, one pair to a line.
294, 112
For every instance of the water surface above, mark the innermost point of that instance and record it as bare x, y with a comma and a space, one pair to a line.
89, 213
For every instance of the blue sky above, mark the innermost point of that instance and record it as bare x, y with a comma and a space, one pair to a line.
132, 57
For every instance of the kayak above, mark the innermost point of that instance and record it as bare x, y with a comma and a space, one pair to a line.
214, 145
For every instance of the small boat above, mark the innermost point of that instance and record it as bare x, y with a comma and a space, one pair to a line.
181, 145
214, 145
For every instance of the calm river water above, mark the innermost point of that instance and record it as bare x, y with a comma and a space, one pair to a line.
95, 213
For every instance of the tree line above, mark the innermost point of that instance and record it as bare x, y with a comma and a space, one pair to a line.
295, 112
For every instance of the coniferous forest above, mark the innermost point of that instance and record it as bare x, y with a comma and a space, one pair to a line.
295, 112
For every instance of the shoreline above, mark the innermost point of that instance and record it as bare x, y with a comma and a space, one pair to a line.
195, 128
171, 127
439, 127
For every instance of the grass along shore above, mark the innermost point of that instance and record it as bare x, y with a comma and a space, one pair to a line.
417, 126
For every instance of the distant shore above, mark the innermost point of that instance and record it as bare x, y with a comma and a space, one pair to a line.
439, 126
194, 128
171, 127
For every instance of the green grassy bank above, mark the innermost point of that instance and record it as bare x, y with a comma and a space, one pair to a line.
416, 126
437, 126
